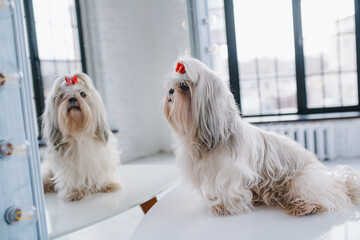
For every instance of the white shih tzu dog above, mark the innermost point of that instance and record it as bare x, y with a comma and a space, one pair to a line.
236, 165
81, 153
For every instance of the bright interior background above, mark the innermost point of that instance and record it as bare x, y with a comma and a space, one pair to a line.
129, 46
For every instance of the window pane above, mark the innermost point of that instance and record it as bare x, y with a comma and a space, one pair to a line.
62, 67
313, 60
48, 68
349, 89
332, 94
286, 66
269, 96
48, 73
64, 42
265, 51
57, 37
347, 54
330, 56
75, 51
45, 41
329, 52
216, 16
287, 92
41, 11
266, 67
75, 66
250, 94
314, 87
247, 69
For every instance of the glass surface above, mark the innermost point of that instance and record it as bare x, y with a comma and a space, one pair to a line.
265, 51
141, 183
329, 52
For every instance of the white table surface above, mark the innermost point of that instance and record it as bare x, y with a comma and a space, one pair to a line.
182, 214
141, 183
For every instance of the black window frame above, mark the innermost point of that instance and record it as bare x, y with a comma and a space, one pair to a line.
35, 60
299, 61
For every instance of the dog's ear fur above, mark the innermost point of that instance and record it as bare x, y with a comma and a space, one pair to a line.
102, 129
55, 138
213, 105
50, 127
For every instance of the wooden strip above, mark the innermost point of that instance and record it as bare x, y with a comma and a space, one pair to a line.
147, 205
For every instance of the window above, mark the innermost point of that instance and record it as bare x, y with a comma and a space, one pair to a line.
55, 43
285, 57
329, 53
266, 57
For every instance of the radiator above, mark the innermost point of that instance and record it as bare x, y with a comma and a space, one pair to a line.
316, 137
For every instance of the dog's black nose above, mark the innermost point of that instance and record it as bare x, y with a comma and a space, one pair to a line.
73, 100
171, 91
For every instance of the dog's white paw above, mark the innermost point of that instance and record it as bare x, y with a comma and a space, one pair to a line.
49, 187
76, 195
301, 208
111, 187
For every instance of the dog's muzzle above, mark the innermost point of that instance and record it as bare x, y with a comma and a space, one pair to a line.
73, 104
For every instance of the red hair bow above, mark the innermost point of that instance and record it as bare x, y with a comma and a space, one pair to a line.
70, 81
180, 68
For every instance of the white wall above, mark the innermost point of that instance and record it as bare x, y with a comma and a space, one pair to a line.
129, 47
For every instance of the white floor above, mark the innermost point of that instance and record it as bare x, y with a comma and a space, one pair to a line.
121, 227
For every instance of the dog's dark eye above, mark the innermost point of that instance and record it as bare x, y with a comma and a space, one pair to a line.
62, 96
184, 86
82, 94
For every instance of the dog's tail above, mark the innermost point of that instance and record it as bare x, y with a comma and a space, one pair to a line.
351, 179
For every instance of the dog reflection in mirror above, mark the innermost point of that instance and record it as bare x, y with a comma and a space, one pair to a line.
236, 165
81, 156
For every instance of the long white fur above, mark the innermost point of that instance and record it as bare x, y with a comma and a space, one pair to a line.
80, 159
228, 160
